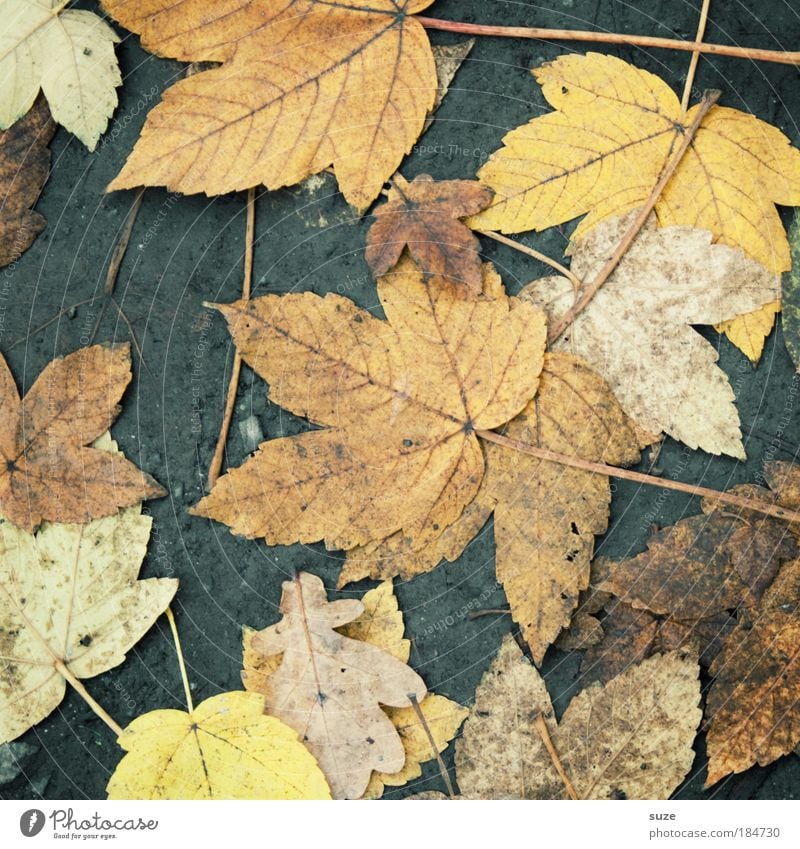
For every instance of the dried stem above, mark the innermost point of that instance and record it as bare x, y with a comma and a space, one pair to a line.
577, 283
638, 477
488, 611
216, 461
61, 667
181, 663
50, 321
122, 242
424, 722
701, 31
132, 332
541, 727
781, 57
709, 99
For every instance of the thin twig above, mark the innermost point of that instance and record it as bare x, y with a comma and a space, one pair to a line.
638, 477
701, 31
541, 727
216, 461
782, 57
50, 321
181, 663
99, 321
577, 283
709, 99
62, 668
424, 722
132, 333
122, 242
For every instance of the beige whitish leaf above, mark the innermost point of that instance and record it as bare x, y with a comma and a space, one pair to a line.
546, 514
70, 595
330, 688
381, 624
636, 331
69, 55
304, 84
630, 739
399, 400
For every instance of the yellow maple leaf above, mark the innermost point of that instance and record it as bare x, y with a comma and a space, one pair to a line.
603, 150
443, 718
226, 748
749, 331
304, 84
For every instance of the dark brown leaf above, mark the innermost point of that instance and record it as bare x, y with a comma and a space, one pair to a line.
24, 166
752, 706
423, 215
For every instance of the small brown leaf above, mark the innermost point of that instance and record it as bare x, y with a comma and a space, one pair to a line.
46, 469
423, 215
24, 166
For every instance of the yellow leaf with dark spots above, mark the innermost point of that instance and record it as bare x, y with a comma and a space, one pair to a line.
603, 149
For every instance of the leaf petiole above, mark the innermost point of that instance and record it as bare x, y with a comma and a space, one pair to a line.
781, 57
101, 712
638, 477
181, 663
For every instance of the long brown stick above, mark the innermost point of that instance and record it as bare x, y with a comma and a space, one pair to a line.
638, 477
709, 99
541, 727
216, 461
88, 698
545, 34
701, 31
439, 760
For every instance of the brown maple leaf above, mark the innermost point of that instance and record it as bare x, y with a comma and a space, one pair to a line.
545, 515
400, 401
304, 84
423, 215
24, 166
329, 687
46, 469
